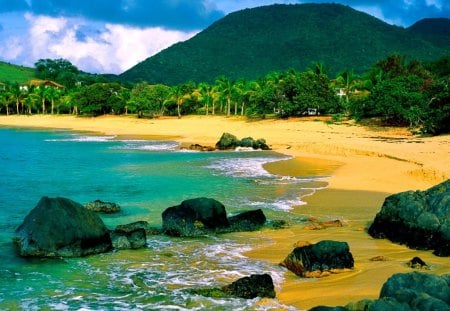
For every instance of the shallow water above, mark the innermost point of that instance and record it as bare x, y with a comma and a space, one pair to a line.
144, 177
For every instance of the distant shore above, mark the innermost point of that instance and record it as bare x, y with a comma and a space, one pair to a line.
364, 164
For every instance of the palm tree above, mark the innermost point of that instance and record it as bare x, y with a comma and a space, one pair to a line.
4, 98
225, 87
51, 93
179, 95
17, 93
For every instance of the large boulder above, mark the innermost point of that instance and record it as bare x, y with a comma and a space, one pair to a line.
59, 227
419, 219
194, 217
103, 207
321, 259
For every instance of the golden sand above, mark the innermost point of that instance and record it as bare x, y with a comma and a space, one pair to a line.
365, 165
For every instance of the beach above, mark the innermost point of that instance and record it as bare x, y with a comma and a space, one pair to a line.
364, 165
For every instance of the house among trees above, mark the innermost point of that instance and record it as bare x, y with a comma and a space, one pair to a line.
39, 83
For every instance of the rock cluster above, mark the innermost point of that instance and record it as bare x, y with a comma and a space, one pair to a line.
228, 141
419, 219
103, 207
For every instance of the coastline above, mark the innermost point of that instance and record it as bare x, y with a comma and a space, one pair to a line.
364, 166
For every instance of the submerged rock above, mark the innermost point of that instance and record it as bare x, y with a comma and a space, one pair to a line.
130, 236
59, 227
419, 219
247, 221
249, 287
103, 207
318, 260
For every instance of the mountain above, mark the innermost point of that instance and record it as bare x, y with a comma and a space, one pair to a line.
252, 42
13, 73
435, 30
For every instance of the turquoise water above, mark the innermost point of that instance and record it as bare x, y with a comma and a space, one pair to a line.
144, 178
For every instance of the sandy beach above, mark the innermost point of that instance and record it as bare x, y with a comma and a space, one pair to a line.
364, 164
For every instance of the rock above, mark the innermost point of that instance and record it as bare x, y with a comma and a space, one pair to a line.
103, 207
247, 142
318, 260
417, 263
194, 217
130, 236
319, 225
139, 225
419, 219
59, 227
324, 308
227, 141
261, 144
421, 291
258, 285
379, 258
247, 221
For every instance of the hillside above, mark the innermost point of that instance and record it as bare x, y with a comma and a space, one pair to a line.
13, 73
252, 42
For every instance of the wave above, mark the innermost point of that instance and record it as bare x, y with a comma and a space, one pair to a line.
148, 145
83, 138
242, 167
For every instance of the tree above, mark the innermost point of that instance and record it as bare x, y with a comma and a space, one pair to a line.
179, 94
59, 70
5, 97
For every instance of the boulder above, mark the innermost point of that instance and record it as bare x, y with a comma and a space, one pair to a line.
227, 141
131, 236
417, 263
258, 285
103, 207
421, 291
406, 292
60, 227
261, 144
419, 219
247, 221
318, 260
194, 217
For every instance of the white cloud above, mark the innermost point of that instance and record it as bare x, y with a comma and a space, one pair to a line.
102, 48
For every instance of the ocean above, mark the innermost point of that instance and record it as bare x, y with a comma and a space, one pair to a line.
144, 177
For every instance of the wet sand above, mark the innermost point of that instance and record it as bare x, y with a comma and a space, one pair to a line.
363, 165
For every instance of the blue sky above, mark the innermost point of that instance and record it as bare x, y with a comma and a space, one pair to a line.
110, 36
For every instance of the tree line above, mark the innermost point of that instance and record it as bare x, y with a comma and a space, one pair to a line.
394, 90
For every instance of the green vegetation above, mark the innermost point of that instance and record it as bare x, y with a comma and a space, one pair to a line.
252, 43
394, 90
15, 74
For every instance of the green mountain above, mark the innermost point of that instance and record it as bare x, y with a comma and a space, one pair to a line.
435, 30
13, 73
252, 42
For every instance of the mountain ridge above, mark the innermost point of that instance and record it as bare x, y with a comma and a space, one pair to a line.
242, 45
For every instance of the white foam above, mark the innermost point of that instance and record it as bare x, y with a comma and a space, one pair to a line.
148, 145
242, 167
83, 138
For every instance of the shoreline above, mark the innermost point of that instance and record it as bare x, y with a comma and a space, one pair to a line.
364, 166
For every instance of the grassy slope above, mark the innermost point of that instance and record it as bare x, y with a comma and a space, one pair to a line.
13, 73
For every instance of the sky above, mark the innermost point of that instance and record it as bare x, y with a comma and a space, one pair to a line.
111, 36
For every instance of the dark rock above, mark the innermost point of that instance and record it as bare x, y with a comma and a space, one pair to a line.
194, 217
324, 308
198, 147
130, 236
103, 207
227, 141
247, 142
258, 285
138, 225
249, 287
432, 292
419, 219
417, 263
319, 259
247, 221
59, 227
